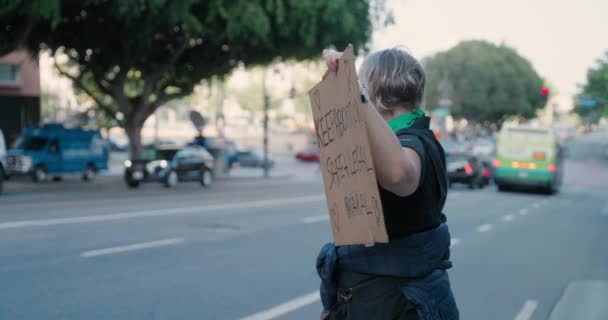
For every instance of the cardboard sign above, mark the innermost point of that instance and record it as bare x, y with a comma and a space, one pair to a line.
351, 188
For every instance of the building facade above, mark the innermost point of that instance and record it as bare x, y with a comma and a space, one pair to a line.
19, 93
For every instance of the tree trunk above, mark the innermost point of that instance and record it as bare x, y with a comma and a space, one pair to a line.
133, 131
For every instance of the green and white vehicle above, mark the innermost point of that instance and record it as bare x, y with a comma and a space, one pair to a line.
528, 156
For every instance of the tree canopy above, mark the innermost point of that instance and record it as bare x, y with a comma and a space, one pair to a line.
595, 88
484, 82
133, 56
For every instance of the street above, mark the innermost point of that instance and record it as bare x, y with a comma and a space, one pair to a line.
246, 248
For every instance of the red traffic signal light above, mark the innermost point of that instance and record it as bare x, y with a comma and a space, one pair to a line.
544, 91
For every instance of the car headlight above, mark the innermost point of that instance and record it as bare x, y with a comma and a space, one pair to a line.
163, 164
128, 163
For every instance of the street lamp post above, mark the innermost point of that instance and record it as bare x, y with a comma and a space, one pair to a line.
265, 123
266, 106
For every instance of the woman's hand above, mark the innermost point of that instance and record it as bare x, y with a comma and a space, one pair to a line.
331, 58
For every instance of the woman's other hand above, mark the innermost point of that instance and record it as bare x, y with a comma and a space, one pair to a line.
331, 58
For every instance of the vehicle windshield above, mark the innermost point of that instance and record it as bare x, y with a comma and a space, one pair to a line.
456, 157
32, 143
166, 154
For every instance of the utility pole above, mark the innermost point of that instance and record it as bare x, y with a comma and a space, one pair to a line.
266, 106
156, 125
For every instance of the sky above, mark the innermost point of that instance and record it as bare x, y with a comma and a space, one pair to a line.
561, 38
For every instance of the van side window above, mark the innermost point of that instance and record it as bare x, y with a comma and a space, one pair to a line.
54, 146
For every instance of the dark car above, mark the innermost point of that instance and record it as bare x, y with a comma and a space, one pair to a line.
467, 169
170, 165
253, 159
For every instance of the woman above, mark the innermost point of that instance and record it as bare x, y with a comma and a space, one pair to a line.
405, 278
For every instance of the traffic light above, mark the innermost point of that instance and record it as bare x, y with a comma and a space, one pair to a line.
544, 93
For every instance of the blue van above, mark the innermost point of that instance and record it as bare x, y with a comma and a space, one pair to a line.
52, 150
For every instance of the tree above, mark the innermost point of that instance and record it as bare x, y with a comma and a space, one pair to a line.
595, 88
133, 56
485, 82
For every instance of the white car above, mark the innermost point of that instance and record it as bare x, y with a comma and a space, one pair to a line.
2, 160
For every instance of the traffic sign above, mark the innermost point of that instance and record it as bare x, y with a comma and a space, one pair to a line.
588, 103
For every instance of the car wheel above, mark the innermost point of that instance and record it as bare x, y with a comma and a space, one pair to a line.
502, 187
171, 179
132, 184
1, 181
552, 189
89, 173
474, 183
40, 174
206, 178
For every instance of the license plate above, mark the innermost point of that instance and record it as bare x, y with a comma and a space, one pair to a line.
523, 174
138, 175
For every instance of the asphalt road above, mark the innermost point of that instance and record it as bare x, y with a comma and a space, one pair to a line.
246, 249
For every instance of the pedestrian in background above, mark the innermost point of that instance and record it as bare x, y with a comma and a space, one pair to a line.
405, 278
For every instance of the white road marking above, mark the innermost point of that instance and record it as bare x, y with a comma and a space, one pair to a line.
508, 217
454, 242
159, 212
286, 307
523, 211
484, 228
536, 205
315, 219
132, 247
527, 310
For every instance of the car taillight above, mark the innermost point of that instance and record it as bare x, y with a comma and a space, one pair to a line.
496, 163
552, 167
468, 168
486, 173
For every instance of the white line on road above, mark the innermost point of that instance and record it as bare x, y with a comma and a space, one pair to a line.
454, 242
536, 205
286, 307
315, 219
132, 247
508, 217
159, 212
484, 228
527, 310
523, 211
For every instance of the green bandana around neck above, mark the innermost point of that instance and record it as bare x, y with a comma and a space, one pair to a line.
405, 120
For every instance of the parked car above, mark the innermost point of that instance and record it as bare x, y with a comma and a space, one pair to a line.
3, 172
466, 168
170, 165
254, 159
311, 154
52, 150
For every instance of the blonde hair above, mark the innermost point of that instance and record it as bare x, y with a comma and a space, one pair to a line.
393, 78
